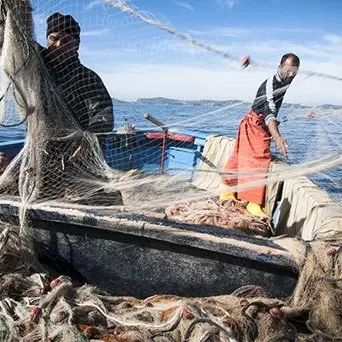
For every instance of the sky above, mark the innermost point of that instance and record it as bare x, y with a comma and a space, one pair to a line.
137, 60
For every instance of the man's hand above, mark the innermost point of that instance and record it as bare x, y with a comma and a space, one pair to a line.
279, 140
281, 145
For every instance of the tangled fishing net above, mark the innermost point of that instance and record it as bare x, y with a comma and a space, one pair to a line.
39, 307
226, 214
63, 165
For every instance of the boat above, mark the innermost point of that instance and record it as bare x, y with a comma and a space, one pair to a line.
144, 253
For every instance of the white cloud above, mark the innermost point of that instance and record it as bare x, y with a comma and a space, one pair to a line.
95, 33
94, 3
39, 19
130, 81
239, 32
271, 50
289, 29
184, 5
233, 32
172, 68
333, 39
226, 3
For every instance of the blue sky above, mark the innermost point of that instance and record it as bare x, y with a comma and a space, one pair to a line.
138, 60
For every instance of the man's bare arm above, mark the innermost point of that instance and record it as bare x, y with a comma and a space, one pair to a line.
279, 140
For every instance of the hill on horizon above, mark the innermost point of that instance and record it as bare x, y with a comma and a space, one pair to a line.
221, 103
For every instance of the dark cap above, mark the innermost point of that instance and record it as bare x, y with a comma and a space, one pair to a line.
58, 22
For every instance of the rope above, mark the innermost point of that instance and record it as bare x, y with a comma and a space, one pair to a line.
123, 7
203, 320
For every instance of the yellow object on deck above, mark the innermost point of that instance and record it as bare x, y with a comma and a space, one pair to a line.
227, 196
256, 210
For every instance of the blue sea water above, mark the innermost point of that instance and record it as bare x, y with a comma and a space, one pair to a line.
308, 140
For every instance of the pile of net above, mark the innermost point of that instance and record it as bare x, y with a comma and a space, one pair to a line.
45, 306
226, 214
37, 304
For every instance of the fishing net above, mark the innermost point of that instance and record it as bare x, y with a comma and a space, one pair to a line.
71, 160
224, 214
77, 162
36, 307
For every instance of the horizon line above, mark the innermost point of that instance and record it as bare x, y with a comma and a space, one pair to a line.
232, 100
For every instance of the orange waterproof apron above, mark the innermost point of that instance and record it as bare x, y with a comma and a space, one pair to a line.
251, 153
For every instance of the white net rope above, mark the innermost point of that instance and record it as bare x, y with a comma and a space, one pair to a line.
71, 160
67, 160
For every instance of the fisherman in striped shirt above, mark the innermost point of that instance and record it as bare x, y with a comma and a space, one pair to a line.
251, 153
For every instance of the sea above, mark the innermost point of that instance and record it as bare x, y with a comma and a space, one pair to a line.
308, 139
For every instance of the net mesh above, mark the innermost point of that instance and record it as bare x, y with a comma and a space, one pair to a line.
36, 306
70, 156
80, 161
70, 159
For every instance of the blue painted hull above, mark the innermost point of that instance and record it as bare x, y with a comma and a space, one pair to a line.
144, 151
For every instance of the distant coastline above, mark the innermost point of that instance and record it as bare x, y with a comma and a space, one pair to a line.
214, 103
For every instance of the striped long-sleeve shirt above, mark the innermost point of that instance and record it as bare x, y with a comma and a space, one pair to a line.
269, 97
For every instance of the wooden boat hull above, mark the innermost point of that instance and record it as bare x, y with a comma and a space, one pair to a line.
141, 256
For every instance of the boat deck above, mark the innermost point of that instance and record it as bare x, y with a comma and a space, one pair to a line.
135, 242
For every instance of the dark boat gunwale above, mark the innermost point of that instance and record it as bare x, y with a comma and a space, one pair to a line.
227, 242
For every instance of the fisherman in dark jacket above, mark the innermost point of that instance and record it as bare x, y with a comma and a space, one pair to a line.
82, 89
69, 104
88, 106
